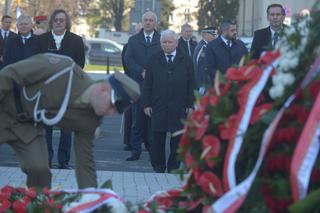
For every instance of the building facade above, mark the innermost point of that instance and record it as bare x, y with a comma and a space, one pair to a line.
185, 12
140, 7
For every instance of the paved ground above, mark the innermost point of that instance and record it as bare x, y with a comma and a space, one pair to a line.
133, 181
131, 186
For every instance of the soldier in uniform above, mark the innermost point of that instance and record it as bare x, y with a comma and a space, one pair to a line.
201, 74
53, 90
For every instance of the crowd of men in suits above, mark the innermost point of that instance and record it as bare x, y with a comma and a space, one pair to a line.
168, 70
52, 36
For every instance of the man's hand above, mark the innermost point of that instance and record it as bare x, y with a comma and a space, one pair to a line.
143, 74
148, 111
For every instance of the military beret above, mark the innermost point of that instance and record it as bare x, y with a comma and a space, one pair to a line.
125, 91
210, 30
40, 18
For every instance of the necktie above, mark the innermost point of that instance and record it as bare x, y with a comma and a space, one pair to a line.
229, 43
275, 39
189, 50
24, 39
5, 34
169, 56
148, 39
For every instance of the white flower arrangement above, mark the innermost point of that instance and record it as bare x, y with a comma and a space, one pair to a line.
291, 46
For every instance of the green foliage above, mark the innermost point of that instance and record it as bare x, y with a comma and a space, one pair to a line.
108, 14
213, 11
166, 8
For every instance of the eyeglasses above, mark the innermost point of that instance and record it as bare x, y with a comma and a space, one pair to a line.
60, 20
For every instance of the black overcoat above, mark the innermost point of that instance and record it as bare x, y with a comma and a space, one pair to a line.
71, 45
261, 42
138, 53
168, 90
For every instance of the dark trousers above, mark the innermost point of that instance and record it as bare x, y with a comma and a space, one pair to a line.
127, 126
64, 146
139, 128
158, 152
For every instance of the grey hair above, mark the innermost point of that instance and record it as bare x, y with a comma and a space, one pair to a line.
152, 13
168, 33
225, 25
185, 26
23, 17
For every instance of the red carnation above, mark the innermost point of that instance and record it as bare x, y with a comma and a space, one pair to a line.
46, 191
4, 205
211, 184
197, 172
164, 202
315, 88
202, 127
204, 101
189, 160
211, 146
19, 206
226, 128
214, 100
7, 190
31, 192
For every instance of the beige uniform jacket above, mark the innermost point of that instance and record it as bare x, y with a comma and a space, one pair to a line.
33, 74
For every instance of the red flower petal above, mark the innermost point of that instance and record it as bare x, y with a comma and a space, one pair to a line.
259, 111
211, 184
212, 144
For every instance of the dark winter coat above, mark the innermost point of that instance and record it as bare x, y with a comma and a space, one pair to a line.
168, 90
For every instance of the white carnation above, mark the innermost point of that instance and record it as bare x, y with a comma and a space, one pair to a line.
276, 91
287, 78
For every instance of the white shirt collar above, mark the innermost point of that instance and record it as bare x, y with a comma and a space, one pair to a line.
27, 37
151, 35
224, 40
272, 32
58, 39
174, 53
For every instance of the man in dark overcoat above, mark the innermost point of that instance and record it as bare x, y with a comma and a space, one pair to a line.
167, 98
21, 45
266, 38
185, 43
60, 40
56, 91
141, 47
224, 51
5, 33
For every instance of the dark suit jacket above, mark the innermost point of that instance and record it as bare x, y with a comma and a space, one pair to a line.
220, 57
138, 54
15, 50
2, 44
71, 45
168, 89
183, 47
261, 42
